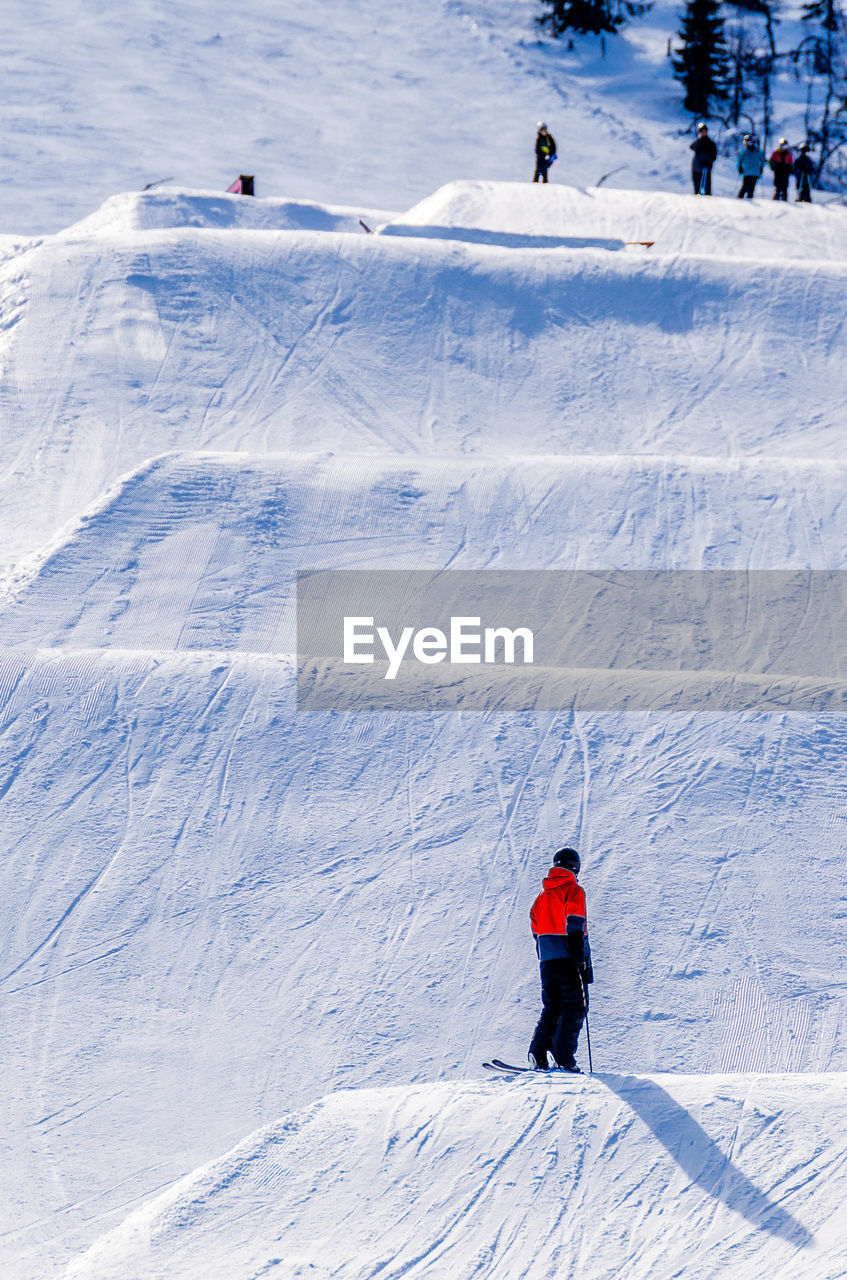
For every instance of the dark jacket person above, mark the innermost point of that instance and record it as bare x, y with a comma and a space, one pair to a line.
545, 152
705, 155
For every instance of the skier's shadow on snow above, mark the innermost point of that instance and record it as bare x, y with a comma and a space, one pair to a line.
702, 1160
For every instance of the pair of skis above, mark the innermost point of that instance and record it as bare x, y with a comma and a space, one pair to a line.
505, 1069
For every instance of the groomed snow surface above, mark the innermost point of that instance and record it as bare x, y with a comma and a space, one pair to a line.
122, 343
544, 1178
218, 911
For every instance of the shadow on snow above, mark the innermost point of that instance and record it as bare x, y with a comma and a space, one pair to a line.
702, 1160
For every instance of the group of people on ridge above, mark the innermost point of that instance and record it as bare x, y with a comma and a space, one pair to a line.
751, 166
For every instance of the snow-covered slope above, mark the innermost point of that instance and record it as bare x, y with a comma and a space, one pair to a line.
215, 909
201, 551
340, 101
118, 347
542, 1179
344, 101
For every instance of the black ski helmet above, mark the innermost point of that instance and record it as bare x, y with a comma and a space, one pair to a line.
568, 858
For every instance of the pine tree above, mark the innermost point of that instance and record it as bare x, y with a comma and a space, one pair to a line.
702, 63
829, 133
824, 12
583, 16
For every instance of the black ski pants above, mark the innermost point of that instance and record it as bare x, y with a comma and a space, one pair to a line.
562, 1013
748, 186
780, 188
541, 167
702, 178
804, 193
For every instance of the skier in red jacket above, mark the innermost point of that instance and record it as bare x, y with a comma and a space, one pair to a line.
560, 930
782, 163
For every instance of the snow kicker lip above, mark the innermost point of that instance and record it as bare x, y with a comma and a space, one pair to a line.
391, 639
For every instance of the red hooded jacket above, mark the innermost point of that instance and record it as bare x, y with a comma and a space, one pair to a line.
557, 911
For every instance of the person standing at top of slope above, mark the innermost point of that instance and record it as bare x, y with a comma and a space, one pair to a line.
751, 163
804, 167
705, 155
545, 152
560, 930
782, 162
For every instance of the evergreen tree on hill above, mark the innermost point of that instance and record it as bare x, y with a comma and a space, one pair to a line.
583, 16
828, 39
824, 12
702, 63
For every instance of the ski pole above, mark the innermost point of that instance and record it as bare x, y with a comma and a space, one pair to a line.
587, 1028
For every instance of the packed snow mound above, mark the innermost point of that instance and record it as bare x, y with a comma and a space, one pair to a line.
525, 215
651, 1177
201, 551
159, 210
118, 348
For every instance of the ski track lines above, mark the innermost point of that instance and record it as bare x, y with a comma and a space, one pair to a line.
394, 1183
228, 937
384, 342
201, 552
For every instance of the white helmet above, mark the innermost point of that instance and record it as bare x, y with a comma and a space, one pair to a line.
541, 125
